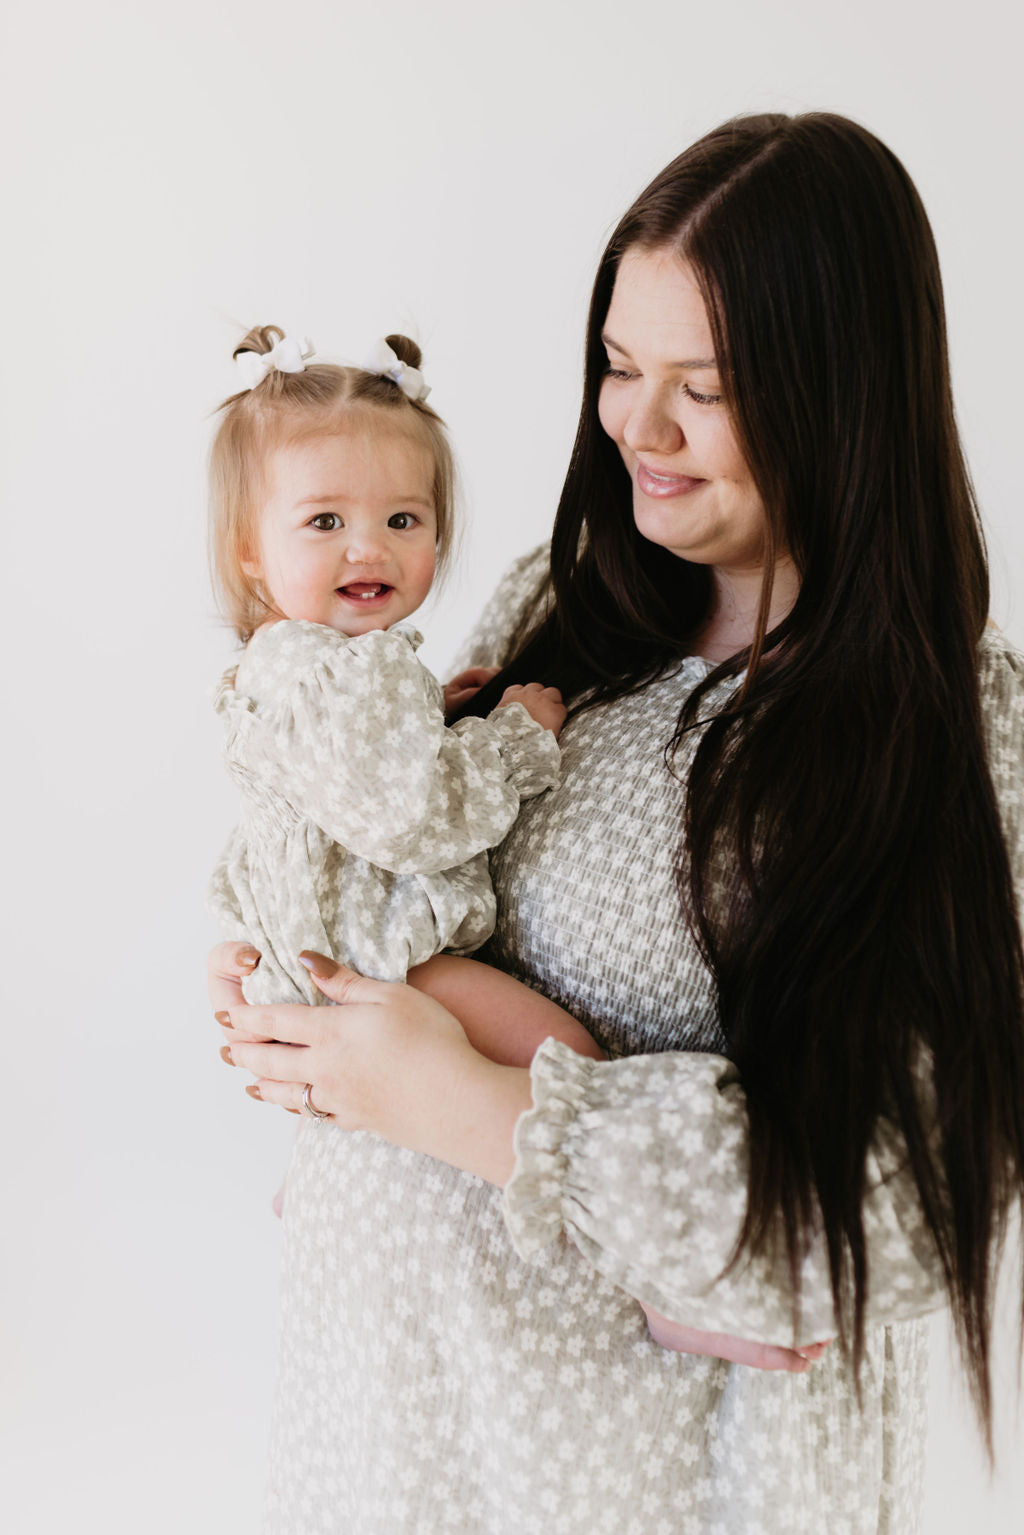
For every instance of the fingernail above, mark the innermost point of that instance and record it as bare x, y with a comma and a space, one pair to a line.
317, 964
254, 1092
225, 1054
224, 1020
812, 1351
249, 957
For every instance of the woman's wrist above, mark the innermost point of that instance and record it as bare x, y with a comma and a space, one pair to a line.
476, 1131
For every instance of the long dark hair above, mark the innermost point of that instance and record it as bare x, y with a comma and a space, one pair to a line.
870, 927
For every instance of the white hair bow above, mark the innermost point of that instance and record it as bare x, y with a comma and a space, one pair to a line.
384, 360
287, 356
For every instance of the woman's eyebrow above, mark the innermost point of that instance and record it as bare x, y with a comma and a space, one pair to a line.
688, 362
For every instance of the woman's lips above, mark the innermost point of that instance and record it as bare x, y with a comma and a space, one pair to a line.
652, 484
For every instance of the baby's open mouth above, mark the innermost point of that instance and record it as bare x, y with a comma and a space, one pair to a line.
364, 591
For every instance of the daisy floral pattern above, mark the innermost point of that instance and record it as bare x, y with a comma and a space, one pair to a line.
365, 822
456, 1359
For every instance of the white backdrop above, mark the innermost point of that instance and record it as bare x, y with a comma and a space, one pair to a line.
453, 169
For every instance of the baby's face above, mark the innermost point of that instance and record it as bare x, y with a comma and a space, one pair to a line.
348, 529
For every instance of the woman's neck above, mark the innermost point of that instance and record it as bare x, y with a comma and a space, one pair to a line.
733, 619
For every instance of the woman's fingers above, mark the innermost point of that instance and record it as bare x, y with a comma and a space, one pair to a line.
463, 686
766, 1356
227, 966
719, 1345
271, 1061
285, 1095
294, 1024
339, 982
473, 678
290, 1023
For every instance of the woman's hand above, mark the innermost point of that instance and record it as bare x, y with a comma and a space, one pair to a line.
463, 686
227, 966
392, 1060
720, 1345
387, 1059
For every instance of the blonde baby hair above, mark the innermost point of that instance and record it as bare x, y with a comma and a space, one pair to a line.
285, 407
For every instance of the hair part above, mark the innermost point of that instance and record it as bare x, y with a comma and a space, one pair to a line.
285, 408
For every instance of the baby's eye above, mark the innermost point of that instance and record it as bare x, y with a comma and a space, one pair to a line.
402, 520
326, 522
702, 399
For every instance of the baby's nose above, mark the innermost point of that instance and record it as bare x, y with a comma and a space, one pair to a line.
364, 548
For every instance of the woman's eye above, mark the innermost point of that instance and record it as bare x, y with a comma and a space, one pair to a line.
702, 399
611, 372
326, 522
402, 520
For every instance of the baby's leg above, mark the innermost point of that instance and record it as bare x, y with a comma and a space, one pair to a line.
503, 1019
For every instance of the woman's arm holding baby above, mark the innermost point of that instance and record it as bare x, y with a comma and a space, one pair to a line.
396, 1062
504, 1020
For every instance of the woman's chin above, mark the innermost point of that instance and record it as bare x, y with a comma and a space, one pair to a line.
669, 530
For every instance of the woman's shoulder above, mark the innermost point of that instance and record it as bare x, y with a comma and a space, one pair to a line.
1001, 686
519, 599
1000, 669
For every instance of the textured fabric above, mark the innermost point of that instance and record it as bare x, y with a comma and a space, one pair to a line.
435, 1378
365, 822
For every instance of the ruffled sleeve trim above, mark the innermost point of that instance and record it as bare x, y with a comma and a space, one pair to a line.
534, 1194
521, 595
528, 750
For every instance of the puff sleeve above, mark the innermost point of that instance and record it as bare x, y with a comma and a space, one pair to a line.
643, 1162
351, 735
520, 597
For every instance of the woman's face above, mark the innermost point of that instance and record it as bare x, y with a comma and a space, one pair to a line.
661, 403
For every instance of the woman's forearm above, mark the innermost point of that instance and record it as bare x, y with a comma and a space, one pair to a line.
477, 1130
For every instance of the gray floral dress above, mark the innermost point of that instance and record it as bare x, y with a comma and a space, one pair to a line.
365, 822
455, 1358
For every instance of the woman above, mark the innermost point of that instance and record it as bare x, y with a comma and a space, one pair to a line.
777, 885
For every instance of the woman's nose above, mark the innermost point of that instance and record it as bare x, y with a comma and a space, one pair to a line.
650, 428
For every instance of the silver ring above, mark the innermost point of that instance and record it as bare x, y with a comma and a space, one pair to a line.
308, 1106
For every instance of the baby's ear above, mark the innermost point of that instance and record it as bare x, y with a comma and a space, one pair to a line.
251, 568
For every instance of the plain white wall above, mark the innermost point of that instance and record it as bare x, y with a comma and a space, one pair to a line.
450, 168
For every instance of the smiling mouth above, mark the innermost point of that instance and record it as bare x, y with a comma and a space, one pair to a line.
365, 591
652, 484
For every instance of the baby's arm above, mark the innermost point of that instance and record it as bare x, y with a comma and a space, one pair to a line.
503, 1019
354, 739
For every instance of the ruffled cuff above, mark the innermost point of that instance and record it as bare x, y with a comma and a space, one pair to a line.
528, 750
535, 1194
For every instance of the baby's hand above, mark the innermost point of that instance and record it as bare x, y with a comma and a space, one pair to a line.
542, 704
